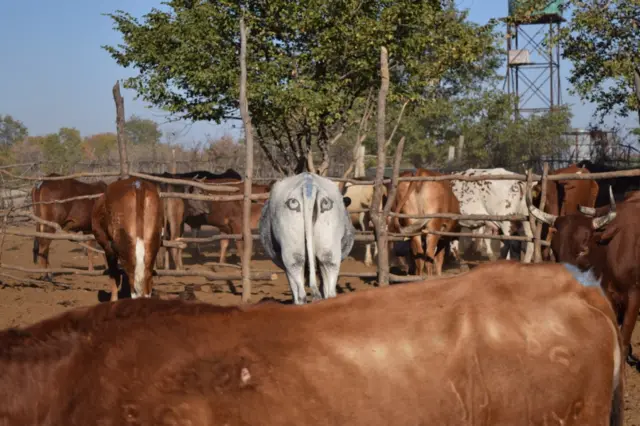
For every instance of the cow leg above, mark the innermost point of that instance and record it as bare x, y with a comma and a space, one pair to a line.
43, 256
329, 270
195, 232
367, 254
294, 267
90, 254
629, 322
224, 244
418, 254
529, 233
438, 261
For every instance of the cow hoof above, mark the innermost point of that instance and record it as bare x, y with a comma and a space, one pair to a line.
367, 264
633, 361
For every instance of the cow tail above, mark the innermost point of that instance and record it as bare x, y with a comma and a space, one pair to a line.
308, 209
35, 198
617, 405
138, 276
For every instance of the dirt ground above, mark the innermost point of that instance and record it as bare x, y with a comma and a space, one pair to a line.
23, 302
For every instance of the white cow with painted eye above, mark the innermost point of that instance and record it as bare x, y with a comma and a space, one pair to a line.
304, 219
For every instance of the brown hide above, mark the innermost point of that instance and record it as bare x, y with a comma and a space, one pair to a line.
74, 216
486, 347
422, 198
576, 192
613, 252
225, 215
130, 213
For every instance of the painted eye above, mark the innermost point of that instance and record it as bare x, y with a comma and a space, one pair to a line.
293, 204
326, 204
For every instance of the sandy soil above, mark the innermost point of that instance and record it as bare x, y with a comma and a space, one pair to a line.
23, 302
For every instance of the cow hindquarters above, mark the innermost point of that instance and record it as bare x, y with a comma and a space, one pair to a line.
629, 322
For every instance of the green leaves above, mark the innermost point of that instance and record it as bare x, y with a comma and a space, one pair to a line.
142, 131
309, 62
602, 42
11, 131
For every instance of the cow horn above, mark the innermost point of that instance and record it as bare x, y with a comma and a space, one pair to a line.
547, 218
587, 211
590, 211
599, 222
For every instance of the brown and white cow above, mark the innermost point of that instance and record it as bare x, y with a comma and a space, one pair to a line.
501, 345
74, 216
127, 222
423, 198
564, 197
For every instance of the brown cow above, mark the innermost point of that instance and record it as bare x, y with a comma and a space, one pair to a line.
127, 222
224, 215
74, 216
195, 213
611, 253
564, 196
502, 345
422, 198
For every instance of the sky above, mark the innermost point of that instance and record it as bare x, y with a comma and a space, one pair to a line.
55, 74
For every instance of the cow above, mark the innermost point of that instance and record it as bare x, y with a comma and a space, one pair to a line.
564, 196
176, 210
127, 221
304, 219
424, 198
610, 252
621, 185
361, 197
495, 198
74, 216
503, 345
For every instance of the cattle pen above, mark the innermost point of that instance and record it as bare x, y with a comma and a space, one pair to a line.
12, 215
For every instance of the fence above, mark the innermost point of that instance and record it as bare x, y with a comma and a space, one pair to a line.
379, 212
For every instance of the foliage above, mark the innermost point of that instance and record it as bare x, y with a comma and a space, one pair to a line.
309, 62
11, 131
491, 137
602, 42
142, 131
98, 146
61, 150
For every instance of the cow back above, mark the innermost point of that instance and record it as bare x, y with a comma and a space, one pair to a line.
440, 352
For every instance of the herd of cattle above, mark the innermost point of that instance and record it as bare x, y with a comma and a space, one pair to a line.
502, 344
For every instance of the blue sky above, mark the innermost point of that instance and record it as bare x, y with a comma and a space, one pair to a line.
55, 74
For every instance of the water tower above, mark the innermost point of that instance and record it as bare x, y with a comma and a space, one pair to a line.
533, 70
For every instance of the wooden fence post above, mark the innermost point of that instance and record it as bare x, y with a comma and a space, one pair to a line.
377, 216
122, 141
247, 238
537, 252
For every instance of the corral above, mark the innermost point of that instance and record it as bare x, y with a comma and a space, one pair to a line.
27, 299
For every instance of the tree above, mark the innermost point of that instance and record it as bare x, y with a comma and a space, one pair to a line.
62, 150
99, 145
142, 131
11, 131
310, 63
602, 42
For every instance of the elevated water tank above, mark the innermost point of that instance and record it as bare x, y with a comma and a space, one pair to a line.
553, 7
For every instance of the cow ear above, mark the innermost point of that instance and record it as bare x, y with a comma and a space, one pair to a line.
346, 201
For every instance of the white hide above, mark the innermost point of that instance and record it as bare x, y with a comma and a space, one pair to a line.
305, 220
497, 197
